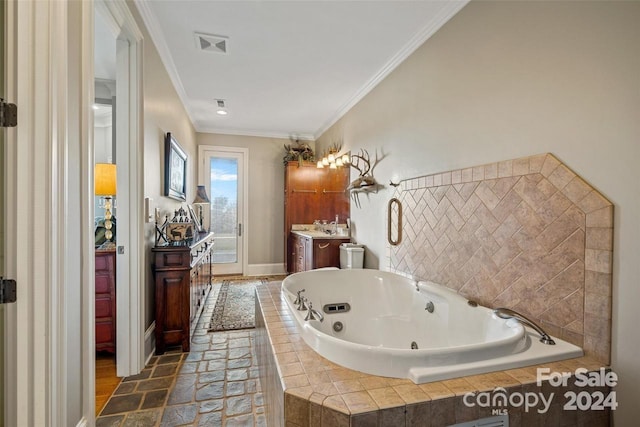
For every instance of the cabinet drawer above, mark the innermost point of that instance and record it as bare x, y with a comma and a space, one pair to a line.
172, 259
105, 333
104, 307
104, 263
104, 284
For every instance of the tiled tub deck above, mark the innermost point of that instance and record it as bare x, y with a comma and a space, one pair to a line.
302, 388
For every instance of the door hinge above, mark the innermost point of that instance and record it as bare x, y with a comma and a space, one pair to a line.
8, 114
7, 290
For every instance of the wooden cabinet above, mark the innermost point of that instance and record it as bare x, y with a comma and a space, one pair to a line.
105, 307
309, 194
183, 275
309, 253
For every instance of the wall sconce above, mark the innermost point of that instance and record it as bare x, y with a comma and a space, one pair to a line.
105, 185
201, 199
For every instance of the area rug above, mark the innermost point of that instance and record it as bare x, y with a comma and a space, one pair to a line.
235, 307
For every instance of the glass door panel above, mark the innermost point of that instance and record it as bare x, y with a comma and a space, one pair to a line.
224, 179
224, 209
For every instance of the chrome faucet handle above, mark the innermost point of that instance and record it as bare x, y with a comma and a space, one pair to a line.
303, 304
313, 314
506, 313
297, 301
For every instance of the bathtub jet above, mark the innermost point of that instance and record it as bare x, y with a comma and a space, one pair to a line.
386, 314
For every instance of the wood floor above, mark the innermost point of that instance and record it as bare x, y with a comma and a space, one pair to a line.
106, 379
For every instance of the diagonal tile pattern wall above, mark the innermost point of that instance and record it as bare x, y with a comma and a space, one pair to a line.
527, 234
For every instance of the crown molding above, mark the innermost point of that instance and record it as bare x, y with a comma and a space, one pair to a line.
256, 133
441, 18
157, 38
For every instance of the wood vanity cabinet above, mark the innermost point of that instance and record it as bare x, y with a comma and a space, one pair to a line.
311, 253
105, 278
309, 194
183, 276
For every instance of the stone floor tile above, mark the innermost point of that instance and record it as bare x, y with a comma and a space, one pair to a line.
179, 415
211, 405
112, 421
238, 363
200, 339
235, 388
122, 403
237, 374
214, 354
238, 405
199, 347
126, 388
154, 399
215, 365
182, 394
189, 367
209, 377
194, 356
218, 346
210, 419
155, 384
146, 373
164, 370
210, 391
239, 352
169, 358
251, 386
142, 419
241, 421
258, 399
239, 342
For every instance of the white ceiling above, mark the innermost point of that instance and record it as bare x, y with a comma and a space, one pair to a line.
293, 68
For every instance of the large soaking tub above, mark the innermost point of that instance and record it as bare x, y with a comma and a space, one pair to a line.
384, 324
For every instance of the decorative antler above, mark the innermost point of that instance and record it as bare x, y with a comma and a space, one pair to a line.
364, 156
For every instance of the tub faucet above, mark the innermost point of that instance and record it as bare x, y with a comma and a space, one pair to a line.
302, 305
313, 314
505, 313
297, 301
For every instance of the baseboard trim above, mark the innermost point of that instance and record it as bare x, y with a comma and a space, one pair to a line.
149, 342
264, 269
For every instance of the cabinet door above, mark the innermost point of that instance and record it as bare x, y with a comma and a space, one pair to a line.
326, 252
334, 198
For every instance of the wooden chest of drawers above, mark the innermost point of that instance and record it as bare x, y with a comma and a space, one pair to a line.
105, 300
182, 275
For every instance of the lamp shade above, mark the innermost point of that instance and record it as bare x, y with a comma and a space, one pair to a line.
201, 195
105, 179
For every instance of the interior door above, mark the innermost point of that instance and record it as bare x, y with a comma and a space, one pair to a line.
223, 174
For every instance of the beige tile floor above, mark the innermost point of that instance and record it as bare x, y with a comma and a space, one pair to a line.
215, 384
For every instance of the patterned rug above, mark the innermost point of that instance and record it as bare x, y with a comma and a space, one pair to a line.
235, 307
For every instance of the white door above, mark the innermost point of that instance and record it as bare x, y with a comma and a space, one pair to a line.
223, 173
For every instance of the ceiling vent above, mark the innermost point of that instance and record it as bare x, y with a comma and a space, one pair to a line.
212, 43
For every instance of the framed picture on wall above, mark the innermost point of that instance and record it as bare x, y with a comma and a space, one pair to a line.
175, 169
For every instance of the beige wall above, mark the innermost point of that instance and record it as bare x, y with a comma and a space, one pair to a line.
505, 80
266, 193
163, 112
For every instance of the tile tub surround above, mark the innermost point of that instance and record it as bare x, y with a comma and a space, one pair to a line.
527, 234
301, 388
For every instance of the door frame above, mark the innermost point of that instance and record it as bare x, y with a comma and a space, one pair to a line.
130, 355
49, 211
202, 180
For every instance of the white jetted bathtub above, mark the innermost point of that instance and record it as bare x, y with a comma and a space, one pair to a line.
384, 324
